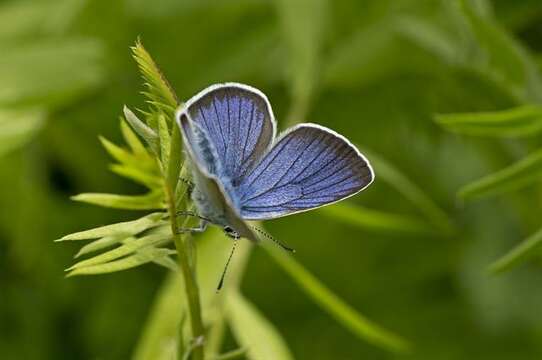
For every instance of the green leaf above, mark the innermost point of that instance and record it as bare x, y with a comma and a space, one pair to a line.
377, 221
157, 237
525, 250
147, 133
175, 162
132, 140
151, 201
143, 177
234, 354
158, 340
123, 229
253, 331
100, 244
302, 23
132, 261
522, 173
337, 308
516, 122
502, 58
18, 127
165, 141
50, 72
396, 179
159, 91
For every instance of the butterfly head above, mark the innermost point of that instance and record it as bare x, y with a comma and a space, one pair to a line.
230, 232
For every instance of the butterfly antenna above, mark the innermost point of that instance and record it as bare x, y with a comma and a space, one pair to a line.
285, 247
221, 282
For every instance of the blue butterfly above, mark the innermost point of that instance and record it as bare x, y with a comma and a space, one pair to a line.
242, 172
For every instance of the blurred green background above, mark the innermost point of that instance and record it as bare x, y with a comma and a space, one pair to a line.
376, 71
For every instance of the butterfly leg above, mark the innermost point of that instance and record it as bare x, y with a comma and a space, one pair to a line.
201, 228
189, 184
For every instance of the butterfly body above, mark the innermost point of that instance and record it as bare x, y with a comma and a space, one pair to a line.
241, 172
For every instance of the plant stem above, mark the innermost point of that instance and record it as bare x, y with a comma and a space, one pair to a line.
191, 286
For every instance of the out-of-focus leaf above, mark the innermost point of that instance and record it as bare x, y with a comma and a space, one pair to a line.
159, 338
148, 134
519, 121
303, 23
234, 354
140, 258
517, 175
503, 58
253, 331
337, 308
377, 221
151, 201
123, 229
18, 126
50, 72
159, 92
526, 249
24, 18
396, 179
429, 36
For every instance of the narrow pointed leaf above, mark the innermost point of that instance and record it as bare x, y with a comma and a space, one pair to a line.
253, 331
377, 221
157, 237
343, 313
516, 122
132, 140
165, 141
234, 354
522, 173
100, 244
522, 252
132, 261
123, 229
140, 176
151, 201
147, 133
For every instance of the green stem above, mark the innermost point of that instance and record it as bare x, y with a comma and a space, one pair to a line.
191, 286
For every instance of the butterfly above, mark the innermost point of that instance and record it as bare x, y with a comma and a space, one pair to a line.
242, 171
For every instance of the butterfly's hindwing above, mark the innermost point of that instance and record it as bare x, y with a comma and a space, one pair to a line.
309, 167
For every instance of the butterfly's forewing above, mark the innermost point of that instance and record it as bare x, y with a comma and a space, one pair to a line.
205, 167
309, 167
239, 122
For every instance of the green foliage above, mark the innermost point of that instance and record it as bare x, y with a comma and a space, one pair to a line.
516, 122
253, 331
526, 249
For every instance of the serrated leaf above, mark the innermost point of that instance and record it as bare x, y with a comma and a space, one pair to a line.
151, 201
157, 237
122, 229
526, 249
253, 331
343, 313
516, 122
522, 173
147, 133
377, 221
159, 90
129, 262
18, 127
